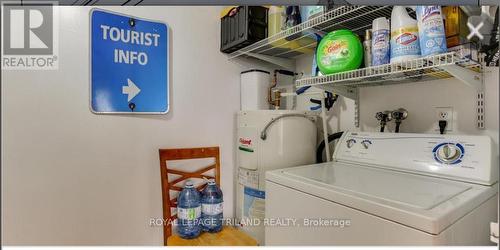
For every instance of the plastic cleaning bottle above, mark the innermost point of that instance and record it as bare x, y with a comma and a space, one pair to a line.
276, 20
292, 18
310, 12
367, 48
381, 53
431, 30
404, 36
211, 207
314, 66
188, 212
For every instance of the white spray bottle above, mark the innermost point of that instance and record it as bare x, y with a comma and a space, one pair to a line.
380, 41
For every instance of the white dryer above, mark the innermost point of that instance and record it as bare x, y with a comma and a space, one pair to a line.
388, 189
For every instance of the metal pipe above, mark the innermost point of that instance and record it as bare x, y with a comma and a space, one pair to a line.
274, 82
276, 102
263, 134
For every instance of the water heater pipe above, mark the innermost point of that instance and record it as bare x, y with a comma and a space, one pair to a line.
275, 102
263, 134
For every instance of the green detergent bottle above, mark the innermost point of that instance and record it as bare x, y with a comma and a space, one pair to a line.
339, 51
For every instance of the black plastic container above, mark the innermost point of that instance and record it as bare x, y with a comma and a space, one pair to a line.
243, 26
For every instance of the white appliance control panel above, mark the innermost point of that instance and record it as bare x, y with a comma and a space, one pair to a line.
458, 157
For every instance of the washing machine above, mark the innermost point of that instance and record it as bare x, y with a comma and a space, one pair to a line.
388, 189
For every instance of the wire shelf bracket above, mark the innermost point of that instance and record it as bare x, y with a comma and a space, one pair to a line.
351, 93
475, 80
469, 77
281, 62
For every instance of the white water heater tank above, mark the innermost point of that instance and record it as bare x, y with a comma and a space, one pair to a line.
254, 85
267, 140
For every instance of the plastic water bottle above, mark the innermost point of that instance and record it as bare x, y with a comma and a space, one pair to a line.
431, 30
211, 208
188, 212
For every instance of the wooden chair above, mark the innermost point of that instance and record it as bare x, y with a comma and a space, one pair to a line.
183, 154
229, 236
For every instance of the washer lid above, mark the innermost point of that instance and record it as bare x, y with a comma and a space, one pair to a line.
389, 187
426, 203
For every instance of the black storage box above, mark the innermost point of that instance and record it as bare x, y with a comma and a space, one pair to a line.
243, 26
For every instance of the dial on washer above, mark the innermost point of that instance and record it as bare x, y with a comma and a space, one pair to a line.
448, 153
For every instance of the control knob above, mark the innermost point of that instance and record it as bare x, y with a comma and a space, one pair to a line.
366, 143
448, 153
350, 143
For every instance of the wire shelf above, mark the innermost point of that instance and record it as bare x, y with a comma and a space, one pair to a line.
420, 69
300, 39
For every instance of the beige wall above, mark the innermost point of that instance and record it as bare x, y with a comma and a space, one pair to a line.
70, 177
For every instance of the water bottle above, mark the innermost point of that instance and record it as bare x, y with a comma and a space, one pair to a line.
211, 208
188, 212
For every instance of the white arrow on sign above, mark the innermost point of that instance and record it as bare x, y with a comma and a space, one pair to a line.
131, 90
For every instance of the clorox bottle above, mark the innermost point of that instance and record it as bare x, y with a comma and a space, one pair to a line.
405, 44
431, 30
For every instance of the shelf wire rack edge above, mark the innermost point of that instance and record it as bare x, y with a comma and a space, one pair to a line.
425, 67
327, 17
364, 15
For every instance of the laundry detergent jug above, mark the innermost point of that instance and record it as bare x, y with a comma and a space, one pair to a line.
338, 51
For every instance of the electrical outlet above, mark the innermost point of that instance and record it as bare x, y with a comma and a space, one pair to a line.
446, 114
